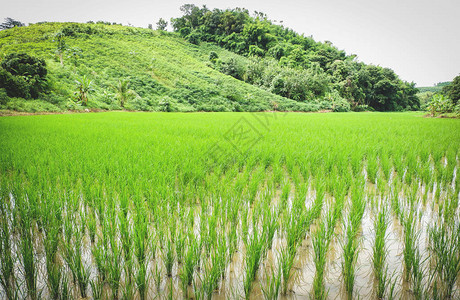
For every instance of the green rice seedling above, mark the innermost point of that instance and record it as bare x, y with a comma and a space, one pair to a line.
157, 277
255, 250
26, 249
190, 261
114, 265
168, 257
65, 290
287, 256
372, 168
351, 244
97, 288
320, 241
7, 278
73, 257
211, 275
445, 245
126, 243
269, 224
142, 280
244, 224
418, 274
128, 292
350, 255
380, 251
53, 268
285, 190
272, 284
92, 224
99, 251
180, 243
410, 237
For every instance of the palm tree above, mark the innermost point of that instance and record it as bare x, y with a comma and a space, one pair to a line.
84, 86
123, 92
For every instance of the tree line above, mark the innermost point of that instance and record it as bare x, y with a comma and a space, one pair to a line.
306, 69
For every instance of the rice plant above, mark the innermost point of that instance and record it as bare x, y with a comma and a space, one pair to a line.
380, 251
445, 245
7, 277
272, 284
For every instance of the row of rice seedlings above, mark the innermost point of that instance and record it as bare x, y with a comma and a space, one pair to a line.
214, 267
321, 239
255, 251
351, 244
415, 272
297, 221
7, 276
445, 247
73, 248
26, 249
380, 251
272, 284
54, 270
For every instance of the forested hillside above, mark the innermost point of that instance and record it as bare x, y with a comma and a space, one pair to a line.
219, 60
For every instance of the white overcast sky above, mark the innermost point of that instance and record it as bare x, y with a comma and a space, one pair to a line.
418, 39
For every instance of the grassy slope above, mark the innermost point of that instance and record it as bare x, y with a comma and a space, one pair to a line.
158, 65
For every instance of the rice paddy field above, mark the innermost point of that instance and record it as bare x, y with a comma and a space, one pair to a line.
229, 205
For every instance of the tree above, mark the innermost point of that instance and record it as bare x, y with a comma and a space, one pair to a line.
162, 24
84, 87
10, 23
22, 75
123, 93
453, 90
61, 46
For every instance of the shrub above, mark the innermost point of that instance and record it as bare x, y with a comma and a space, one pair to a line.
341, 105
213, 56
3, 96
22, 75
363, 107
194, 37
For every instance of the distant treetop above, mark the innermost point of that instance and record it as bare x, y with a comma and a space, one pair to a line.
10, 23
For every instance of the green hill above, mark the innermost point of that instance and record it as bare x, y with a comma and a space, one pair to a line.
214, 61
160, 66
434, 89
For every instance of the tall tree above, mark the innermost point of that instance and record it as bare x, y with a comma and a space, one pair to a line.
123, 92
84, 87
162, 24
452, 90
10, 23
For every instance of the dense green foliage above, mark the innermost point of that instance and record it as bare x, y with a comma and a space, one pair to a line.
178, 204
307, 69
452, 90
22, 75
442, 99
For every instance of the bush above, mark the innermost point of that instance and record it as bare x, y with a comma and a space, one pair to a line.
213, 56
363, 107
22, 75
194, 37
341, 105
233, 68
3, 97
256, 51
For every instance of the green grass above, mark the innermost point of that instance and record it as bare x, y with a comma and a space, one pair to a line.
169, 204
